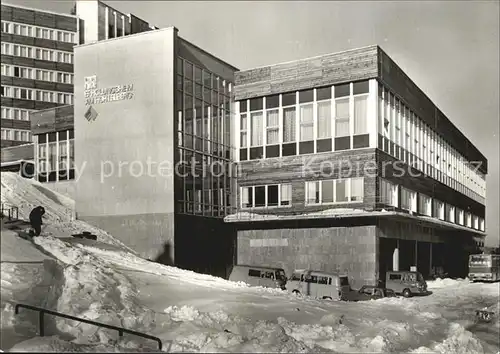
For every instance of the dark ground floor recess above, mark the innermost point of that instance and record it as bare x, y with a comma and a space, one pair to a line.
364, 248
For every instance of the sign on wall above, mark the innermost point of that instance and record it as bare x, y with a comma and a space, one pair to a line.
95, 95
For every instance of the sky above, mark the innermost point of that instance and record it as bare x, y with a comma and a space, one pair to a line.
450, 49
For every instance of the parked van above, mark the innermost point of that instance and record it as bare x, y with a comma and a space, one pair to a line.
406, 282
318, 284
259, 276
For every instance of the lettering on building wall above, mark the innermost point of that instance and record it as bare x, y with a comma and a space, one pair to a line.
269, 242
94, 95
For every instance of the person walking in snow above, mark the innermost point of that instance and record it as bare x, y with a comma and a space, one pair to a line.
36, 220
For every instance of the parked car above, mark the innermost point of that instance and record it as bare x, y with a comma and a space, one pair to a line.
368, 292
321, 285
259, 276
406, 282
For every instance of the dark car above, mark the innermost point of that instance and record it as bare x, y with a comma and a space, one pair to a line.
368, 292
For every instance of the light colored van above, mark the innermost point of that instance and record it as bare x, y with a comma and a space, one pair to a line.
259, 276
318, 284
406, 282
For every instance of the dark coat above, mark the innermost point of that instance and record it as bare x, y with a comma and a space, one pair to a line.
36, 215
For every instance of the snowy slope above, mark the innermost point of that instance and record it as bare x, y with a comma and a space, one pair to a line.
106, 282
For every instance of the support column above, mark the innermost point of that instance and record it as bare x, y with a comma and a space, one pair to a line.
395, 257
415, 263
430, 258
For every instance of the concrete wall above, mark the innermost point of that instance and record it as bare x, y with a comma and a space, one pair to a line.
345, 249
123, 146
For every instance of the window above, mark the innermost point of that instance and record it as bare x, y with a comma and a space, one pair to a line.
254, 273
388, 193
395, 276
360, 115
357, 189
256, 129
342, 117
438, 211
408, 199
266, 196
450, 213
334, 191
289, 124
272, 127
286, 194
424, 205
324, 120
243, 130
306, 122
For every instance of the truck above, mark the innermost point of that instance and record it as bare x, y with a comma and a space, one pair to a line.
484, 267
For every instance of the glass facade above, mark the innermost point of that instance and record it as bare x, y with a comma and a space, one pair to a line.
394, 195
55, 156
405, 136
204, 169
332, 118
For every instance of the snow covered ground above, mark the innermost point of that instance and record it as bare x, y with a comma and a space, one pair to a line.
104, 281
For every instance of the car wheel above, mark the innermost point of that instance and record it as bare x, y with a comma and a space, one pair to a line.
327, 298
406, 293
296, 292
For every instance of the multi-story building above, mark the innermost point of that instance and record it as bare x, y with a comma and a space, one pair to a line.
345, 164
37, 58
37, 66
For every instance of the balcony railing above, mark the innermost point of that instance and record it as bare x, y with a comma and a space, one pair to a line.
120, 330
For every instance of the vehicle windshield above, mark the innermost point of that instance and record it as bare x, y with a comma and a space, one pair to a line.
280, 275
420, 277
344, 281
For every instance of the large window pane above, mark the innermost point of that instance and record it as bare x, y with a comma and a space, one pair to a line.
272, 195
324, 119
288, 125
272, 127
341, 191
256, 129
286, 194
306, 123
342, 117
360, 115
260, 196
327, 191
312, 192
357, 190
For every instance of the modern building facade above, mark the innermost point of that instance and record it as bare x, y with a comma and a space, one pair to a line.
37, 58
147, 134
337, 163
37, 66
345, 165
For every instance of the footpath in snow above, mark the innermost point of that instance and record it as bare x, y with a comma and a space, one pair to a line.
105, 281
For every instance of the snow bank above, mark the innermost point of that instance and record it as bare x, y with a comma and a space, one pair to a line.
59, 216
459, 341
446, 283
91, 290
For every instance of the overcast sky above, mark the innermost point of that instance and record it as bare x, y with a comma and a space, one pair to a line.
450, 49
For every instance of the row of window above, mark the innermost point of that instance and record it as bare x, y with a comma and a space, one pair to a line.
409, 134
17, 135
190, 73
324, 192
55, 152
37, 95
37, 53
400, 197
305, 122
203, 120
39, 32
37, 74
16, 113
